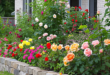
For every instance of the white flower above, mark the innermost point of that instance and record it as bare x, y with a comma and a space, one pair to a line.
68, 6
54, 16
45, 26
40, 24
36, 19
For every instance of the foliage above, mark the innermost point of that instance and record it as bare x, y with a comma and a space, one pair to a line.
4, 4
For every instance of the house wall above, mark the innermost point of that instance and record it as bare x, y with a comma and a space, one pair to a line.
102, 8
18, 6
84, 4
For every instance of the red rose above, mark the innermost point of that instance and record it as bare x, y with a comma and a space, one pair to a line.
71, 15
65, 23
46, 58
38, 55
89, 17
66, 31
76, 20
13, 54
21, 50
86, 10
48, 45
83, 14
75, 7
14, 50
80, 7
72, 19
21, 41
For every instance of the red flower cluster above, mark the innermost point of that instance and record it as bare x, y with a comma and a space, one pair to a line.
21, 40
9, 46
21, 50
14, 54
48, 45
38, 55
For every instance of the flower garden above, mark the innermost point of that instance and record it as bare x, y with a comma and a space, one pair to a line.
59, 38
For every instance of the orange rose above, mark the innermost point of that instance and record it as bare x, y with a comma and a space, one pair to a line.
70, 57
60, 46
67, 47
65, 61
107, 41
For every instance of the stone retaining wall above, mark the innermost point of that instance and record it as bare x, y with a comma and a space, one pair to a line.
20, 68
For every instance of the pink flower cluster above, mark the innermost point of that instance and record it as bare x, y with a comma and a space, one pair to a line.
30, 56
51, 37
5, 39
88, 51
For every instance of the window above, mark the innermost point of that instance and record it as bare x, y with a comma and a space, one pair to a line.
92, 7
74, 3
26, 7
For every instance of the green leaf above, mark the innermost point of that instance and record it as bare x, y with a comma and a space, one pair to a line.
81, 69
95, 25
87, 31
82, 26
107, 64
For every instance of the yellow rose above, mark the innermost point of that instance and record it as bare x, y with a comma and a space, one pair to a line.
30, 39
74, 47
54, 47
68, 11
24, 42
27, 43
32, 47
20, 45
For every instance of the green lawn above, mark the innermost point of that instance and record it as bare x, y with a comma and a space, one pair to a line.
5, 73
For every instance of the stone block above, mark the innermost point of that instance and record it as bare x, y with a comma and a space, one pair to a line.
12, 70
16, 72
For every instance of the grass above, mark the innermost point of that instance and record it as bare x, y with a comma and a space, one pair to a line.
5, 73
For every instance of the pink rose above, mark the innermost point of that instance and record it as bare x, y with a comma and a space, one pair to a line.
48, 38
45, 0
55, 36
98, 12
32, 24
0, 42
45, 34
95, 42
20, 29
87, 52
42, 12
85, 45
39, 37
101, 51
10, 32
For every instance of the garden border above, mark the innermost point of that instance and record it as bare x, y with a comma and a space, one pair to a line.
20, 68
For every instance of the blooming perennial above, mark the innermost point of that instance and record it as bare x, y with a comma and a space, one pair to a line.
67, 47
36, 19
54, 47
45, 34
85, 45
88, 52
60, 46
74, 47
40, 24
54, 16
107, 41
45, 26
95, 42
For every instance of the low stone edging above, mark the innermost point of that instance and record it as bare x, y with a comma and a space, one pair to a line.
20, 68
